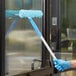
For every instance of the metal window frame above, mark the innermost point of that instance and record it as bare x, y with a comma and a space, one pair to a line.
56, 12
46, 32
2, 37
51, 9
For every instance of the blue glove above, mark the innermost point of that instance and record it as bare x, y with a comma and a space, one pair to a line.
61, 65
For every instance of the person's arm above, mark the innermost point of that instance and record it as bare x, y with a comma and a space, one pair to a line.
73, 63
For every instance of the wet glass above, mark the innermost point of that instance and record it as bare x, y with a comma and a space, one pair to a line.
22, 43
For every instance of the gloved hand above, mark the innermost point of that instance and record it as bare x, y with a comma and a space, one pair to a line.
61, 65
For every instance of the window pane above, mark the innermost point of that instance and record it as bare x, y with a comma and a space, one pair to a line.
68, 32
22, 43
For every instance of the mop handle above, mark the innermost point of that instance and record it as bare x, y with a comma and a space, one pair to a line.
40, 35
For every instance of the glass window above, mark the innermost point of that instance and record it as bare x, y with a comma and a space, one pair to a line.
68, 32
22, 43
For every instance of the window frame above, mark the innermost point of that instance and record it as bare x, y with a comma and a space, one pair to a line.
2, 37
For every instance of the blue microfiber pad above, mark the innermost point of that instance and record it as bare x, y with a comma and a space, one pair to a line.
30, 13
24, 13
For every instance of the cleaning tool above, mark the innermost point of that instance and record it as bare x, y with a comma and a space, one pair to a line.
20, 13
39, 14
23, 13
31, 14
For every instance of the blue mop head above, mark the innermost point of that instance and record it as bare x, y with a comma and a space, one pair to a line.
24, 13
30, 13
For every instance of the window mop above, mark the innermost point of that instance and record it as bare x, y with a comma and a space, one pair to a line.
30, 14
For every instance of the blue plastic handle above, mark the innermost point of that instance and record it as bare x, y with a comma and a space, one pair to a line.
35, 26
